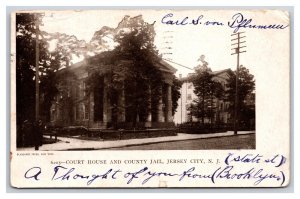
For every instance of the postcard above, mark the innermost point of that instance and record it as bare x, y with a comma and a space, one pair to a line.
147, 98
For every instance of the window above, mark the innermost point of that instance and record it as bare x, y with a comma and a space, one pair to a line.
52, 115
98, 100
84, 88
77, 91
85, 110
189, 97
190, 86
58, 112
77, 112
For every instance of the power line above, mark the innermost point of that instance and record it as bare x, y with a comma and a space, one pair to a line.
177, 64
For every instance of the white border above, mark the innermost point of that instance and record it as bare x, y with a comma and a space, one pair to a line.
4, 85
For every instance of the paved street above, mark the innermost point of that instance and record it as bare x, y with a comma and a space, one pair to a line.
229, 142
223, 140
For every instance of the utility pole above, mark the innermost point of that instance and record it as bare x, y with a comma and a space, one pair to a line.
237, 50
37, 57
167, 44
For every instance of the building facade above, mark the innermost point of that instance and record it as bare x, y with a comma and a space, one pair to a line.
183, 115
99, 108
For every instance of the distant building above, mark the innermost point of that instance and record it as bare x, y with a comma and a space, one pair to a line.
188, 96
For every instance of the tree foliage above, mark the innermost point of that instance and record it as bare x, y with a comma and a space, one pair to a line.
126, 54
49, 64
206, 90
246, 95
175, 94
131, 65
25, 68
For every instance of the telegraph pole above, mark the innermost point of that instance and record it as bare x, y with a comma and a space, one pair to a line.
167, 44
237, 50
37, 57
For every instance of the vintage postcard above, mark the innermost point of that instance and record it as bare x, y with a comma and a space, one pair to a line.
150, 98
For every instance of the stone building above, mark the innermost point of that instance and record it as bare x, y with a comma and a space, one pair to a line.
188, 96
74, 106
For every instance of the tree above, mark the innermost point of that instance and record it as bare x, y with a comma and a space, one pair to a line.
131, 66
175, 94
67, 46
49, 64
48, 89
136, 39
246, 95
25, 64
102, 40
207, 90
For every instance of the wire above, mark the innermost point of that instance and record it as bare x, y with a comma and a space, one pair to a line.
177, 64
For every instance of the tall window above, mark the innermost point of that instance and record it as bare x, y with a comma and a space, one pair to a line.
75, 113
98, 100
77, 91
85, 111
52, 115
78, 112
84, 88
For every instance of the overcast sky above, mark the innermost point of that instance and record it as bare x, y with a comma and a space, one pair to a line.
188, 42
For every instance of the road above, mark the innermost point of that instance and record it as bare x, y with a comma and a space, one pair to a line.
228, 142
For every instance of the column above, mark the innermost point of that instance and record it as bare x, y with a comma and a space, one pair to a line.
106, 102
160, 116
149, 115
169, 104
91, 111
121, 104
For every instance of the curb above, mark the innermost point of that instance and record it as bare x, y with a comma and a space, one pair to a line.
148, 143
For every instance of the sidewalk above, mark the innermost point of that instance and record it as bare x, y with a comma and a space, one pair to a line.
78, 144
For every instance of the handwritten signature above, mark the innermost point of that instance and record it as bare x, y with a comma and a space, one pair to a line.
237, 22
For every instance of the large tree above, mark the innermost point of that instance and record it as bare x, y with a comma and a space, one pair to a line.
67, 46
26, 32
246, 95
131, 66
175, 94
49, 64
207, 90
136, 39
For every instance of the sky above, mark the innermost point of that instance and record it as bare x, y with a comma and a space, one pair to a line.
188, 42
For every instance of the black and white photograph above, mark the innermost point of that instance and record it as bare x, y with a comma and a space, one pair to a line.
150, 98
126, 83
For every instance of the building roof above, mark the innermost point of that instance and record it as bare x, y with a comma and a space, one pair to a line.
161, 64
218, 72
214, 73
164, 66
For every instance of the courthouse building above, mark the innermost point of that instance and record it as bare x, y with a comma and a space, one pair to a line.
94, 110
